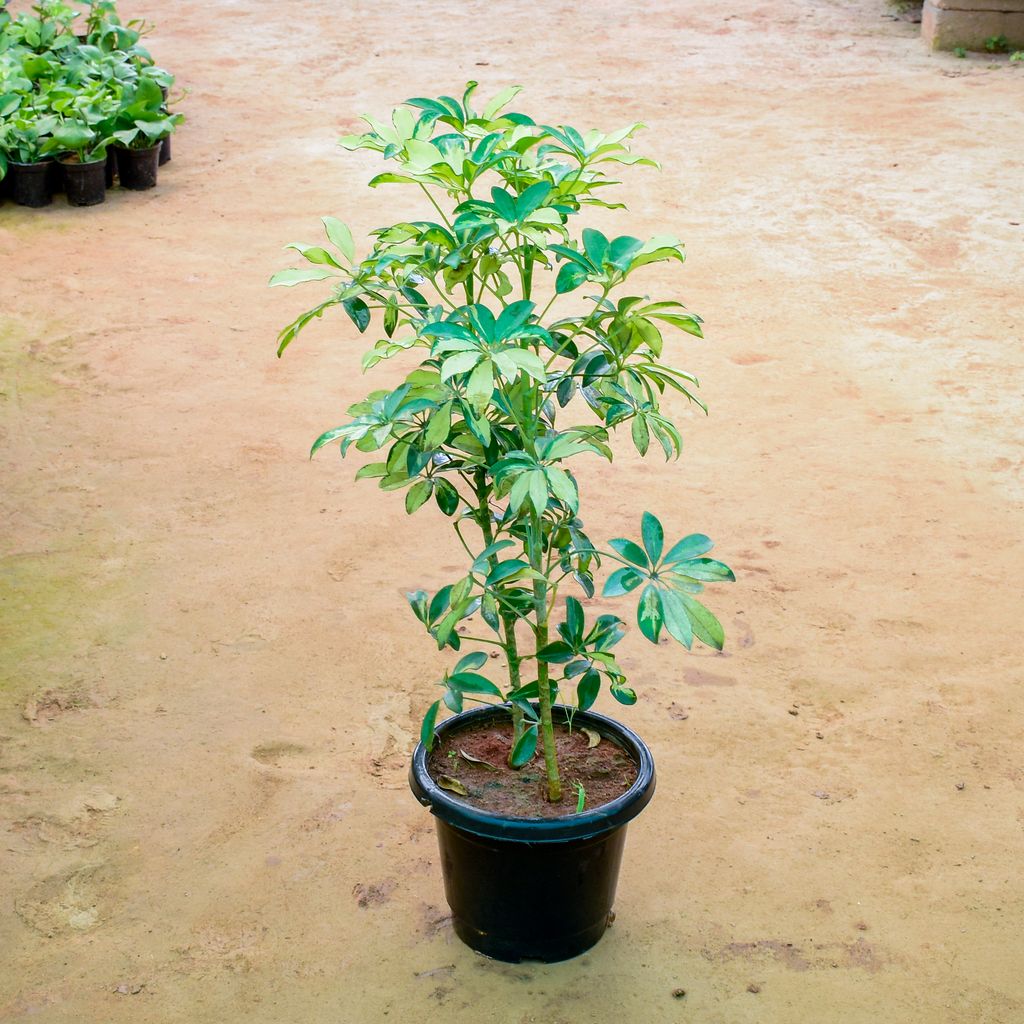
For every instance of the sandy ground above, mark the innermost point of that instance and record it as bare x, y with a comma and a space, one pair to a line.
209, 682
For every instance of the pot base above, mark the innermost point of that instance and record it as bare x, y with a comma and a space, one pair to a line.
553, 902
137, 168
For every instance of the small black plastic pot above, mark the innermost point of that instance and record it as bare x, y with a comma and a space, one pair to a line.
165, 151
86, 184
111, 168
30, 183
532, 888
137, 168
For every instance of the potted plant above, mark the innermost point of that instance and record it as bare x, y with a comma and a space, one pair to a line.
84, 160
23, 137
534, 785
143, 124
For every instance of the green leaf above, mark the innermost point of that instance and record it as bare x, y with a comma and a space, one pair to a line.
427, 728
649, 615
390, 317
423, 154
481, 382
327, 437
689, 547
525, 748
500, 100
633, 552
570, 277
556, 653
596, 246
624, 694
438, 427
340, 237
315, 254
563, 488
512, 317
299, 275
519, 493
587, 689
538, 491
505, 570
459, 363
709, 569
481, 561
446, 496
622, 250
417, 495
653, 535
504, 203
676, 620
489, 612
471, 661
574, 618
439, 603
358, 313
622, 581
531, 199
372, 471
473, 682
415, 298
528, 362
418, 602
641, 435
706, 627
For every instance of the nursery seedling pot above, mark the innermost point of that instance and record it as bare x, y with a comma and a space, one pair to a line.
137, 168
532, 888
85, 184
30, 183
111, 168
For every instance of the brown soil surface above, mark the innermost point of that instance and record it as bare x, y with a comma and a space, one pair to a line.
210, 683
605, 771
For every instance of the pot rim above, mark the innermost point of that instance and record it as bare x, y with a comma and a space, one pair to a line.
88, 163
605, 818
141, 152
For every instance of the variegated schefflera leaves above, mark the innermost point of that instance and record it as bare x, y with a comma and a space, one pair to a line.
476, 292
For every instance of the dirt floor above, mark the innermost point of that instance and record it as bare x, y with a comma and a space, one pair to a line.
209, 680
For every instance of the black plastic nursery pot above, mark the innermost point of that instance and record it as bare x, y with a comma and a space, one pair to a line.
137, 168
165, 151
532, 888
30, 183
86, 184
111, 168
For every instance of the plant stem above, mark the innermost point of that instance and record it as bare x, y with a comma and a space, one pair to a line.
547, 728
508, 619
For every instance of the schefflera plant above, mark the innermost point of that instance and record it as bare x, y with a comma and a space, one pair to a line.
480, 290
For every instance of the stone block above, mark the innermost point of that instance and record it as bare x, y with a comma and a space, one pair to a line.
1000, 6
945, 28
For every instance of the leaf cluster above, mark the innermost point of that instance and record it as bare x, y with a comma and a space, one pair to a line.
62, 96
508, 390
